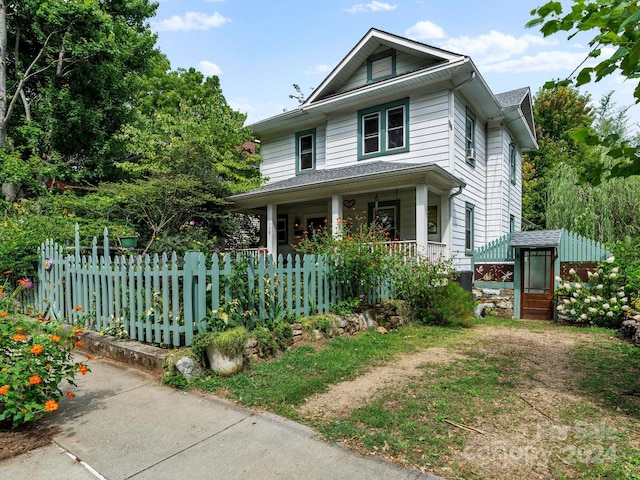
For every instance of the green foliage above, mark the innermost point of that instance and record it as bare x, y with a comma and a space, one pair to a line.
627, 258
71, 74
229, 343
606, 212
615, 24
360, 257
558, 113
35, 358
427, 288
323, 323
601, 301
346, 307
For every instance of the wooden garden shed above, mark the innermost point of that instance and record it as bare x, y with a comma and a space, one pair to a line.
517, 272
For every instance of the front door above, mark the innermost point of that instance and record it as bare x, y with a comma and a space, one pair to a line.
536, 287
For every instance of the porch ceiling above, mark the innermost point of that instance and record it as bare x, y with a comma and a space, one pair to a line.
363, 177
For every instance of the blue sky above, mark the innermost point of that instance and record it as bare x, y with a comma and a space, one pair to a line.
260, 48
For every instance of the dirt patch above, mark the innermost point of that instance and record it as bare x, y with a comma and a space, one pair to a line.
14, 442
341, 399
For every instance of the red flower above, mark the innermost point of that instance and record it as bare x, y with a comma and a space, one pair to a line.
4, 314
35, 380
83, 369
70, 394
4, 389
79, 343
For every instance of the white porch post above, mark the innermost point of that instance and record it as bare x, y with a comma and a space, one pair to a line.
272, 230
336, 214
445, 220
422, 217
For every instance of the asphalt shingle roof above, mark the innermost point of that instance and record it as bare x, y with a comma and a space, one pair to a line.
537, 238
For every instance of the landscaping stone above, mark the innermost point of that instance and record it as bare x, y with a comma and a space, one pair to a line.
630, 328
499, 300
188, 368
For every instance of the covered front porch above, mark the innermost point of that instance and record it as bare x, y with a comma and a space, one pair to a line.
410, 201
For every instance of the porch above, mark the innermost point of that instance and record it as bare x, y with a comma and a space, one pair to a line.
410, 201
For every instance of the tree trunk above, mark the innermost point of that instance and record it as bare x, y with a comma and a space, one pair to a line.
3, 72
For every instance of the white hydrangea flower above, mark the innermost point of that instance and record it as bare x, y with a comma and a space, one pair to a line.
615, 269
594, 274
592, 310
621, 294
572, 312
624, 300
611, 259
609, 313
560, 308
612, 275
599, 286
578, 286
625, 307
583, 316
613, 300
558, 279
606, 306
572, 271
589, 273
587, 300
567, 286
566, 301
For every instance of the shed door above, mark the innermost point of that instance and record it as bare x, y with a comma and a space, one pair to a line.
536, 297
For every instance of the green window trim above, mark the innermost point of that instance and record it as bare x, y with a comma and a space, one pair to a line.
306, 151
468, 228
384, 126
470, 138
378, 57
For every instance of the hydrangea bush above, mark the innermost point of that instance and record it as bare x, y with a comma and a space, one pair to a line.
602, 300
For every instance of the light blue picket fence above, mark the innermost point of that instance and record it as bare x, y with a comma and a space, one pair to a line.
165, 299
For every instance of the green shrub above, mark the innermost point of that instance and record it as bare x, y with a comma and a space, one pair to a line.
35, 357
451, 305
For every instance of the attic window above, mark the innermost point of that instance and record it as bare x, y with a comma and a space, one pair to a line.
381, 65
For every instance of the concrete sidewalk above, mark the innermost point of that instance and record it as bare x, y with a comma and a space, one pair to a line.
124, 425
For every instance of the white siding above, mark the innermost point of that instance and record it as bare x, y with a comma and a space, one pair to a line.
475, 192
404, 63
279, 154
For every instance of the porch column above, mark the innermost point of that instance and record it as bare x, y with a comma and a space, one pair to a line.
272, 230
336, 214
422, 217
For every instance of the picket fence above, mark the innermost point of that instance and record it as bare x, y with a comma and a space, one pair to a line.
165, 299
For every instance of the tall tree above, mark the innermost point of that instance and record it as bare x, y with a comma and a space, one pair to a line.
615, 23
67, 80
188, 151
558, 113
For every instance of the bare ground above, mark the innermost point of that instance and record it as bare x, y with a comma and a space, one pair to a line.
521, 442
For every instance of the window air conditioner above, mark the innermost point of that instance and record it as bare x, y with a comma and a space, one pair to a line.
471, 153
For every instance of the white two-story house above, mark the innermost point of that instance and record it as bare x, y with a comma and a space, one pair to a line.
404, 134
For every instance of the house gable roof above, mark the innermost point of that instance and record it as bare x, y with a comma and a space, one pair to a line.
370, 43
347, 87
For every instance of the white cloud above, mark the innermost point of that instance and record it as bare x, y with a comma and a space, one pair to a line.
374, 6
553, 61
209, 68
494, 46
319, 69
425, 30
190, 21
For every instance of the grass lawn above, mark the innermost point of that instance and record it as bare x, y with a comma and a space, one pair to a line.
503, 399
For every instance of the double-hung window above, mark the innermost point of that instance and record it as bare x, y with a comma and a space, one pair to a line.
306, 151
383, 130
470, 138
512, 162
468, 228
